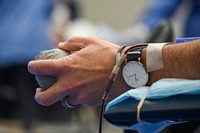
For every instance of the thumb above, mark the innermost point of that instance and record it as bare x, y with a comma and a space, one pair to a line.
73, 44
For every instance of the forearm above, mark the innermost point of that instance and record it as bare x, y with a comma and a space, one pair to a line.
180, 61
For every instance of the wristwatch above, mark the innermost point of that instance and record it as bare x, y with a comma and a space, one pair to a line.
134, 72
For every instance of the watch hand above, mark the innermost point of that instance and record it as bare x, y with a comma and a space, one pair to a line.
131, 76
135, 77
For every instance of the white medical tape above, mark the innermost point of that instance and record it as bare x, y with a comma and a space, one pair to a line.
154, 59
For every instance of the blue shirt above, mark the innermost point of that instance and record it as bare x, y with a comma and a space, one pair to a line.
23, 30
164, 9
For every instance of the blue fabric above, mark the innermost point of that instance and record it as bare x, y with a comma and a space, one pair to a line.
147, 127
161, 9
160, 89
179, 40
23, 30
158, 10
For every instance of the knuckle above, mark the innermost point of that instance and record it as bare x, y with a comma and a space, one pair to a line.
90, 39
65, 64
82, 39
74, 38
36, 67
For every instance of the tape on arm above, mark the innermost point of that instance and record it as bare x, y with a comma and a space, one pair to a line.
154, 59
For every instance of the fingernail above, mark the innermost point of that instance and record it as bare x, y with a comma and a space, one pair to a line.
39, 90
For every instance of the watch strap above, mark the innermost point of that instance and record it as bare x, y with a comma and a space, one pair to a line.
134, 54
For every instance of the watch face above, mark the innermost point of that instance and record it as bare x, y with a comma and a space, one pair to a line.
135, 74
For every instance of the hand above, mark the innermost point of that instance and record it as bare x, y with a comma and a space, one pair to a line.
82, 76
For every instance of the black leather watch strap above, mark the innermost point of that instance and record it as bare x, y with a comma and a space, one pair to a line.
134, 54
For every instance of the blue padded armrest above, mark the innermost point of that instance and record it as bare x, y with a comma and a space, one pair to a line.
179, 107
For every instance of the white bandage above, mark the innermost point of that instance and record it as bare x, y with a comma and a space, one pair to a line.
154, 59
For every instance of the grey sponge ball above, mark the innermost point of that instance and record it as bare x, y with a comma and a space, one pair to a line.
45, 81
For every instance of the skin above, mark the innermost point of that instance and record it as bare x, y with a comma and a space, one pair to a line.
180, 61
83, 75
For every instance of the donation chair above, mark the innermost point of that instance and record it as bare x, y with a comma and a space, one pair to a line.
176, 108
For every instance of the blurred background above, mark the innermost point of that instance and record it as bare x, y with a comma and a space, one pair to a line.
28, 27
19, 113
118, 14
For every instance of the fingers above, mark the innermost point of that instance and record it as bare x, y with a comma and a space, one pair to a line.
49, 96
53, 95
43, 67
74, 44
